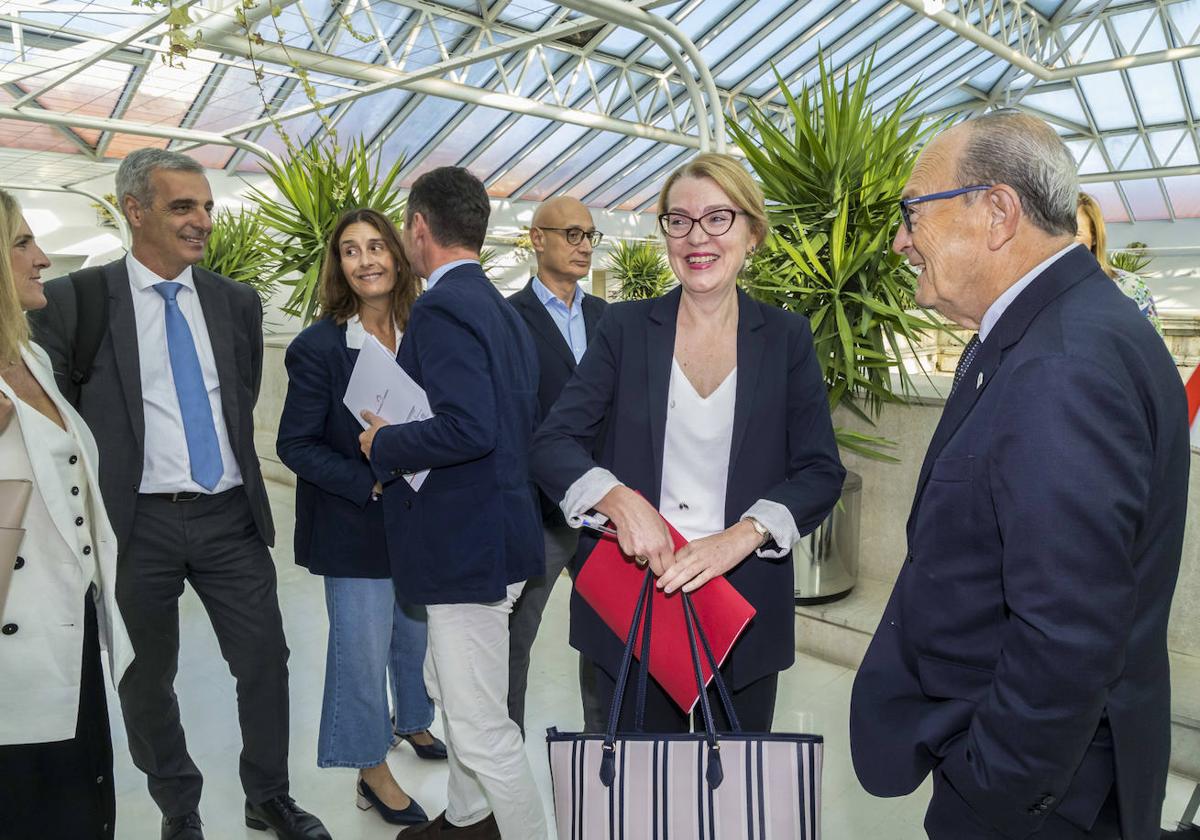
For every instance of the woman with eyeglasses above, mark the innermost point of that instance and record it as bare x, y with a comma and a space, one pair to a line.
709, 408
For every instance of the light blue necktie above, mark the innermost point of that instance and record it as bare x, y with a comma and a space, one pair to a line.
204, 452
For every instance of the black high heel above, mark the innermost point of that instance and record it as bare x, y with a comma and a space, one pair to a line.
430, 752
411, 815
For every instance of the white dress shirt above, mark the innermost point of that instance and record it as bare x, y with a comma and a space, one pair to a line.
166, 468
1010, 294
356, 334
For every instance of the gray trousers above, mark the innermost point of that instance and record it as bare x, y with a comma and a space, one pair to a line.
526, 617
213, 544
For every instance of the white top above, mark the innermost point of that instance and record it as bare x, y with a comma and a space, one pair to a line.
166, 468
71, 484
356, 334
693, 488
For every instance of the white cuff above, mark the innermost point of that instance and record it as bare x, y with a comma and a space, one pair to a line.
780, 525
586, 493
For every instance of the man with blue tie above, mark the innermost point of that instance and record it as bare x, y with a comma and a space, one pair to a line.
466, 542
169, 396
1022, 658
561, 318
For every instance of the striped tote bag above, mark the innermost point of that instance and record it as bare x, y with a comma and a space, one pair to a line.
696, 786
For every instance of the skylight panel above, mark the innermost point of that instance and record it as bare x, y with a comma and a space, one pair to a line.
1138, 31
528, 14
1109, 199
1105, 94
1186, 17
1184, 192
1145, 200
538, 158
1157, 94
1059, 103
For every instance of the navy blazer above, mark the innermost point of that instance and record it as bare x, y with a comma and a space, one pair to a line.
474, 526
555, 360
1023, 653
339, 530
783, 449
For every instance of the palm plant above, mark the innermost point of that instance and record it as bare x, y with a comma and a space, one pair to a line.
640, 268
833, 184
240, 248
316, 186
1131, 258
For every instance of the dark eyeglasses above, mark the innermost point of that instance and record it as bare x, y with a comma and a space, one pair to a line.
906, 203
679, 225
576, 235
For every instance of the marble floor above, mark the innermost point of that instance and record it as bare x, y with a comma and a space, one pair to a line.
814, 697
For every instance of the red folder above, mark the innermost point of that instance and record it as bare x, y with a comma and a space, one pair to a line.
610, 582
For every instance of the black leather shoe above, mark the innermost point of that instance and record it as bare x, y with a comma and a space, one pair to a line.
411, 815
431, 752
186, 827
287, 819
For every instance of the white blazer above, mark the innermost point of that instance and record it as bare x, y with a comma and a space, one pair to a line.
41, 661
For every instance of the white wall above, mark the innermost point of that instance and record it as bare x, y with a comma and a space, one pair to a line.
1174, 274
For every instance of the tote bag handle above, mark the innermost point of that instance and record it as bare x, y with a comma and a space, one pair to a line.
642, 615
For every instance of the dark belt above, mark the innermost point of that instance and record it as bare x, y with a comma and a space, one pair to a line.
184, 496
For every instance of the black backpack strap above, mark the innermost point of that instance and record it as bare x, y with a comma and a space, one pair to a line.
91, 320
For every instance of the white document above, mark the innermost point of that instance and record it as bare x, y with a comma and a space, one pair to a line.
379, 385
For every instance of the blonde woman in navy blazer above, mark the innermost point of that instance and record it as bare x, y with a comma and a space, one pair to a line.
696, 344
367, 290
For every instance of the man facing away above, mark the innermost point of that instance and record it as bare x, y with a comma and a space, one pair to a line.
466, 542
170, 401
561, 318
1022, 658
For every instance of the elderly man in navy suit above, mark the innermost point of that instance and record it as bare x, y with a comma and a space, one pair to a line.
465, 544
562, 319
1022, 658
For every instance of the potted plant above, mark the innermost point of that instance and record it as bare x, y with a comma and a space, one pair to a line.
316, 185
640, 269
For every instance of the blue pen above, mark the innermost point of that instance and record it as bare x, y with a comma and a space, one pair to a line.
586, 521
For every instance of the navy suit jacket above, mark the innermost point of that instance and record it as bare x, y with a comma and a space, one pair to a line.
474, 526
339, 530
783, 449
1023, 653
555, 360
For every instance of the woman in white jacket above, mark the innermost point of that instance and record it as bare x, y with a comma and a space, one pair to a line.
55, 750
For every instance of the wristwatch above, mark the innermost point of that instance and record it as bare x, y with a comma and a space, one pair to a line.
760, 528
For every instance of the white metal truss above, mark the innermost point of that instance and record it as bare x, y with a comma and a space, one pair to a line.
559, 70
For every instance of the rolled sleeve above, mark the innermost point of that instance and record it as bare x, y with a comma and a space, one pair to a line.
780, 524
586, 492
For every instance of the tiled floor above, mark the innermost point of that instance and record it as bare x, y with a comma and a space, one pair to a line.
814, 697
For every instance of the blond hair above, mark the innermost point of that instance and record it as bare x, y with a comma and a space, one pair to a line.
14, 328
1091, 211
733, 179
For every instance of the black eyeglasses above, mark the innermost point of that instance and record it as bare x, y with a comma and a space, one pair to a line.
679, 225
576, 235
906, 203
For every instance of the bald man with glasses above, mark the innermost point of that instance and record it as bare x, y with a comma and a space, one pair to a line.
562, 318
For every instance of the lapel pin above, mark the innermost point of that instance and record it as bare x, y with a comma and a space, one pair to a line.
979, 381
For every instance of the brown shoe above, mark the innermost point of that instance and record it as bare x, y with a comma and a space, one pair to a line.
485, 829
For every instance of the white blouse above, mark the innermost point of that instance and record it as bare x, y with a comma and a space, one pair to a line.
72, 480
695, 470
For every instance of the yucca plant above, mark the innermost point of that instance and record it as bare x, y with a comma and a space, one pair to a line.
833, 184
641, 270
316, 185
239, 248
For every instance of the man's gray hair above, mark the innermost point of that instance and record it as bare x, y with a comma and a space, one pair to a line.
133, 176
1008, 147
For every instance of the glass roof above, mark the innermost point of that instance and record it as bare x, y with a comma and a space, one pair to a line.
586, 106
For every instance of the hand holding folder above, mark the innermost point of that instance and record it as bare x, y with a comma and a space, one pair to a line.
610, 583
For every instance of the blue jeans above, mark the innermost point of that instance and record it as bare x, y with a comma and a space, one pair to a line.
370, 634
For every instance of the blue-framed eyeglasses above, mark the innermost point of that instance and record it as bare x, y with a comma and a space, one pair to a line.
906, 203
